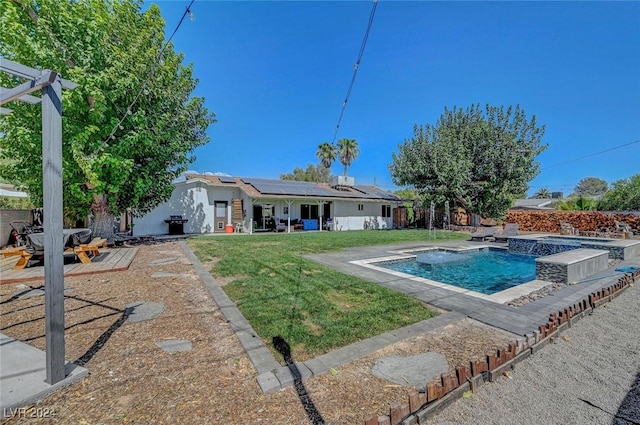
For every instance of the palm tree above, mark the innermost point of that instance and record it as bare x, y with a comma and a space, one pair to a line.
348, 150
542, 194
579, 203
326, 154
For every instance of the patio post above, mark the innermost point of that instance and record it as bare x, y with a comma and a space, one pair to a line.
53, 243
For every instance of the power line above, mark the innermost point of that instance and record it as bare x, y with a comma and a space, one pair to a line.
590, 155
355, 68
143, 89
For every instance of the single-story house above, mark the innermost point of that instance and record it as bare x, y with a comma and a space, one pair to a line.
10, 191
535, 204
217, 203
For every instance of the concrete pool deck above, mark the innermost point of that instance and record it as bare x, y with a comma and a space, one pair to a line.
272, 376
517, 320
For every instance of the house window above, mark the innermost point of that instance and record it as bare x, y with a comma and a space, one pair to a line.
386, 211
309, 211
360, 207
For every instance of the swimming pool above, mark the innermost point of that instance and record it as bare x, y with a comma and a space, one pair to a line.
486, 271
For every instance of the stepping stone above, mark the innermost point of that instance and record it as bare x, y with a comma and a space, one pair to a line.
163, 274
175, 345
144, 311
413, 371
163, 261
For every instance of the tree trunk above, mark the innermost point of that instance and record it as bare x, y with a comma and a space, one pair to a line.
103, 220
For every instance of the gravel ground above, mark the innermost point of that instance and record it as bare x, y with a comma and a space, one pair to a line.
591, 375
132, 381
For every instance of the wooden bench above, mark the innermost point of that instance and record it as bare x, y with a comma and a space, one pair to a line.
19, 251
83, 251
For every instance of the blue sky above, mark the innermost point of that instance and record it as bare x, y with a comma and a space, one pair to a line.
276, 74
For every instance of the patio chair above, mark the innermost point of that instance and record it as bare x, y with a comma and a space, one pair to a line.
623, 227
510, 229
280, 226
567, 229
245, 226
483, 233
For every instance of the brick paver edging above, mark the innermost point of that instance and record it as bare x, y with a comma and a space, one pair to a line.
442, 391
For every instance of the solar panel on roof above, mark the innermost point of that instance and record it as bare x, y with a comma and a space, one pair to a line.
296, 188
287, 187
227, 179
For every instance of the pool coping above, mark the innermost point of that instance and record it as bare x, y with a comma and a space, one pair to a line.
272, 376
517, 320
500, 297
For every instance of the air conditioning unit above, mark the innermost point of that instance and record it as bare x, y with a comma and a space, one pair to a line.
342, 181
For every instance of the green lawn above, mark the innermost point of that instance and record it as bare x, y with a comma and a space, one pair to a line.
315, 309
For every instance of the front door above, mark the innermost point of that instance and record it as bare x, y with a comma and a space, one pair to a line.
220, 216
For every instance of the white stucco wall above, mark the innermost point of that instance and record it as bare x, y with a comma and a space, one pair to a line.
347, 216
193, 201
187, 200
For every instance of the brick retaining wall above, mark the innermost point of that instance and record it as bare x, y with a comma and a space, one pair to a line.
448, 387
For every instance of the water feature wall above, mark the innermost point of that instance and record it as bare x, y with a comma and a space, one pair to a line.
539, 247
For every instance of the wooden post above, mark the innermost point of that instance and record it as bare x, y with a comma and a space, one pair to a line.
53, 240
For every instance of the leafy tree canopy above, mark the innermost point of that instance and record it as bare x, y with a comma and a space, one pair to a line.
624, 195
591, 186
114, 52
9, 203
408, 193
313, 173
480, 158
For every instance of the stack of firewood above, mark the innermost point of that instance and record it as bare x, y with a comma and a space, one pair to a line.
588, 221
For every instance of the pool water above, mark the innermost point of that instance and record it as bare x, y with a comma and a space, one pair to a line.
485, 271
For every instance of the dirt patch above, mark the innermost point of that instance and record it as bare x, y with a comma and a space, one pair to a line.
132, 380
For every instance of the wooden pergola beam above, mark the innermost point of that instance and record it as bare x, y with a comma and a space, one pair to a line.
7, 95
26, 98
51, 85
19, 70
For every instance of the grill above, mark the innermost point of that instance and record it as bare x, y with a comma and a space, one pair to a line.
176, 224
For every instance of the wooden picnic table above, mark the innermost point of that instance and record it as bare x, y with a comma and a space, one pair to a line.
76, 241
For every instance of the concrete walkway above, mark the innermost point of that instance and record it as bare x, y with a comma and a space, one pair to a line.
273, 376
23, 373
520, 321
22, 370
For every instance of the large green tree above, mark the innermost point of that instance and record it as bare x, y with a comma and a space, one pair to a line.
348, 151
480, 158
624, 195
313, 173
591, 186
131, 125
